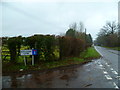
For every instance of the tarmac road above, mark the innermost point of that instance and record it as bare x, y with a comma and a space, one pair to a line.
100, 73
110, 62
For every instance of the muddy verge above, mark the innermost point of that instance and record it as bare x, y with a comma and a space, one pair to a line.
44, 70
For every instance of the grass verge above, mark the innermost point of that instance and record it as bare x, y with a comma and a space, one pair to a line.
90, 53
85, 56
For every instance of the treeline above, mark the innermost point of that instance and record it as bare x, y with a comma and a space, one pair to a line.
109, 35
69, 45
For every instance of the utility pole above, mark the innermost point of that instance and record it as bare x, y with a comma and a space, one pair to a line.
85, 33
85, 38
85, 30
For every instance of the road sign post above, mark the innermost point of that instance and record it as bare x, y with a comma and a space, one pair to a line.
32, 59
24, 61
24, 53
32, 52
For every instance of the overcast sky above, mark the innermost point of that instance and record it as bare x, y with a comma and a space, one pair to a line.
29, 18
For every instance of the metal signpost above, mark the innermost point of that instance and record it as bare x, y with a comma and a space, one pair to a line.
34, 52
28, 52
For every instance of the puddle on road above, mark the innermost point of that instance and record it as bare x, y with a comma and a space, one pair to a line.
47, 79
37, 79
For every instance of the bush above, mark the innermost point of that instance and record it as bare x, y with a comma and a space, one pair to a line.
14, 45
12, 48
49, 47
70, 46
46, 46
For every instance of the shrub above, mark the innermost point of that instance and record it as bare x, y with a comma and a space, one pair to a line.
14, 45
11, 42
70, 46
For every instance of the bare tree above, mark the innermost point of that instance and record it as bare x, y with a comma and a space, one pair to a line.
108, 35
73, 26
109, 28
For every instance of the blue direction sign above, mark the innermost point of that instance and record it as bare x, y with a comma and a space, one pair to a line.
34, 51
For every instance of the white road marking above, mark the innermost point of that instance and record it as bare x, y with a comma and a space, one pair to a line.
115, 85
105, 72
98, 52
111, 68
108, 77
100, 65
115, 72
107, 64
118, 77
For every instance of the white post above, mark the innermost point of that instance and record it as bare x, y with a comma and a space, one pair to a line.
32, 59
24, 61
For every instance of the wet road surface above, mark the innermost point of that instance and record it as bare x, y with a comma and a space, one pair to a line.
110, 62
100, 73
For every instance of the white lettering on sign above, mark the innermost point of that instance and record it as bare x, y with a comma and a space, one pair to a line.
26, 52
